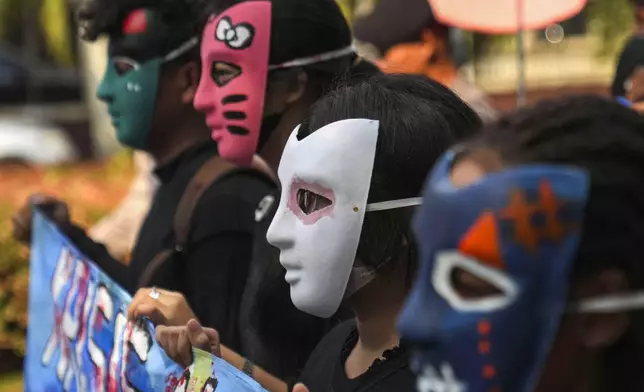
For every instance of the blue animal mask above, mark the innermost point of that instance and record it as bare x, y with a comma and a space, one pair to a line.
517, 230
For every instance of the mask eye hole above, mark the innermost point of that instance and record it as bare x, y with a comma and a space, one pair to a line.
470, 286
123, 65
309, 202
223, 73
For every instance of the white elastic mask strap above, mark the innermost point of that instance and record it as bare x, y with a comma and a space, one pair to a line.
186, 46
335, 54
610, 303
394, 204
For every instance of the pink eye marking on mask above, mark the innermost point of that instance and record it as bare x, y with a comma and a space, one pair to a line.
308, 219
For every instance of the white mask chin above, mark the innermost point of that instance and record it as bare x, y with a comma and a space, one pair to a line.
325, 184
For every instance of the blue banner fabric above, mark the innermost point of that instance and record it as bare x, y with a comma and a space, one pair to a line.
79, 338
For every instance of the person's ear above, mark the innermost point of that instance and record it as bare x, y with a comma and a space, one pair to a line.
296, 87
189, 81
284, 90
601, 330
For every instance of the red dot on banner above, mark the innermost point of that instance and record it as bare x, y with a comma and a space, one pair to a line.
136, 22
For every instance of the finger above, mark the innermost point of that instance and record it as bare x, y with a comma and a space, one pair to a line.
213, 337
300, 388
138, 299
184, 347
38, 198
60, 213
161, 335
20, 231
197, 336
639, 107
151, 311
172, 344
22, 217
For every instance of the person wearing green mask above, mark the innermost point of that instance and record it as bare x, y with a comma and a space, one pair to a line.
198, 236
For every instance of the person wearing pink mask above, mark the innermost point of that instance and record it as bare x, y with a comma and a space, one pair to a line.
264, 63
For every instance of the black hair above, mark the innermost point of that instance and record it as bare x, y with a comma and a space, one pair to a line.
98, 18
419, 119
605, 138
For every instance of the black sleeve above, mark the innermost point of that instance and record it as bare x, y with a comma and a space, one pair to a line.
630, 58
621, 73
97, 253
221, 250
216, 274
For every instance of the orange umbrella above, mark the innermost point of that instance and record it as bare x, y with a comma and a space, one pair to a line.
504, 16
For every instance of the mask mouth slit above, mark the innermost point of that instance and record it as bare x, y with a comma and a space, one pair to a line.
237, 130
235, 115
236, 98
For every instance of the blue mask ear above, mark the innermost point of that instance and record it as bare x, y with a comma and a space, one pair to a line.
441, 172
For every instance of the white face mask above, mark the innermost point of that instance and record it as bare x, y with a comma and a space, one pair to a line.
325, 184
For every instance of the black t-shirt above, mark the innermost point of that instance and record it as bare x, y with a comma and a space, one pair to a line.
632, 56
324, 372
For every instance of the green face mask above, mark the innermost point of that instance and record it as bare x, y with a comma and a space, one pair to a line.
130, 88
130, 92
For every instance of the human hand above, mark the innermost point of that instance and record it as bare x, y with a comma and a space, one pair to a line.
300, 388
168, 308
55, 209
178, 342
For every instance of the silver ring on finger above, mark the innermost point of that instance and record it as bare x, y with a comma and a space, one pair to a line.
154, 293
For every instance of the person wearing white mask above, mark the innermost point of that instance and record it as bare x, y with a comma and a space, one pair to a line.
351, 175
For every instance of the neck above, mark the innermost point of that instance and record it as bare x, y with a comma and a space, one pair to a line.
376, 307
293, 116
178, 139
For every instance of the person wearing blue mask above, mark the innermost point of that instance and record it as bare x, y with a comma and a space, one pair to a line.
531, 275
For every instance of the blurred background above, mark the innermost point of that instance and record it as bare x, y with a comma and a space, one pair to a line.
55, 137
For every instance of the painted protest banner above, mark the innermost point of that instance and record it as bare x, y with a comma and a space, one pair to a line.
79, 338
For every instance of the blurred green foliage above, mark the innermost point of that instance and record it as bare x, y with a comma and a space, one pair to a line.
91, 189
53, 21
611, 21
